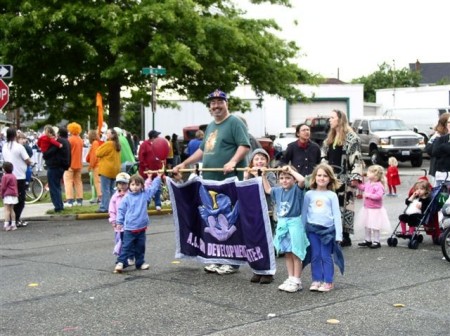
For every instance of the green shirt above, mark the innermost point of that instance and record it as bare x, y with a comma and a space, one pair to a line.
219, 145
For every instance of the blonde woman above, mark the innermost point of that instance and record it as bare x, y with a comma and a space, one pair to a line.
342, 150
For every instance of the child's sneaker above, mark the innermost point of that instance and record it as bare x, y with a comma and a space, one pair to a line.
212, 268
118, 268
315, 286
7, 227
290, 286
144, 267
158, 208
131, 262
13, 227
325, 287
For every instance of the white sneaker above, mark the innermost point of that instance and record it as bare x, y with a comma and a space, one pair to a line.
226, 269
131, 262
284, 284
290, 286
67, 205
118, 268
144, 267
211, 268
7, 227
13, 227
158, 208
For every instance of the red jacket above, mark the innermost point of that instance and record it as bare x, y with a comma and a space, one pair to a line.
148, 159
393, 179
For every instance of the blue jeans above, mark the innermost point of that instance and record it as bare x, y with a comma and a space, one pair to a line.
322, 267
157, 197
54, 176
133, 246
107, 185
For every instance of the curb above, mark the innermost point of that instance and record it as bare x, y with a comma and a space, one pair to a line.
88, 216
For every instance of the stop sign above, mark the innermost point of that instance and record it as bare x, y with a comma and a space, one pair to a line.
4, 94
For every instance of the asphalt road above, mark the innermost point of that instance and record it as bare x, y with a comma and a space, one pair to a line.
56, 279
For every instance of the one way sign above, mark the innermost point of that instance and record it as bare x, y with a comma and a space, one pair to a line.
6, 71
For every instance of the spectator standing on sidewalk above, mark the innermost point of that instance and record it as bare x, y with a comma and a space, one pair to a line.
16, 154
92, 159
149, 161
9, 195
57, 161
226, 144
72, 176
108, 167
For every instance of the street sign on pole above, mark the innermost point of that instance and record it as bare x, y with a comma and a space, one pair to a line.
153, 71
4, 94
6, 71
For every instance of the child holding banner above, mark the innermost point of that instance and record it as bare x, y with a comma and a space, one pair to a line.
290, 236
259, 159
133, 219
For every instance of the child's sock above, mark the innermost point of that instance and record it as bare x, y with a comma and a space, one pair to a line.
295, 279
6, 225
403, 226
368, 235
376, 236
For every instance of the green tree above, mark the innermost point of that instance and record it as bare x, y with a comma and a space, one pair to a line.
387, 77
64, 52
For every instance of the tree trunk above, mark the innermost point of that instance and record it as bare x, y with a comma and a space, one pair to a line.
114, 104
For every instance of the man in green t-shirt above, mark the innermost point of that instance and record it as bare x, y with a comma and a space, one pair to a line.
224, 146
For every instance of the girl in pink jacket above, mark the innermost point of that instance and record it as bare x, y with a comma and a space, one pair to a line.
373, 215
9, 194
122, 181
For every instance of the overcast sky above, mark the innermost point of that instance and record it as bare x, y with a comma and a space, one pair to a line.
355, 36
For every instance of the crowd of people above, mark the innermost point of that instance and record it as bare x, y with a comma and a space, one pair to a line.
312, 201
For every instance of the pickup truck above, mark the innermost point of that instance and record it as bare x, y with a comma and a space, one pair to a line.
383, 137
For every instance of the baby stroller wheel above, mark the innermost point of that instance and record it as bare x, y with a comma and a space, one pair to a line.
445, 244
420, 238
413, 244
392, 242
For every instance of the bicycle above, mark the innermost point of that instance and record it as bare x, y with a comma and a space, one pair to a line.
36, 189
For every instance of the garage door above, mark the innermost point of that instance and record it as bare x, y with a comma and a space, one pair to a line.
297, 113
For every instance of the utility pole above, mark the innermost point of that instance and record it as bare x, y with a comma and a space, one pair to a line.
154, 73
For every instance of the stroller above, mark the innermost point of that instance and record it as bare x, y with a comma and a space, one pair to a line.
445, 227
428, 222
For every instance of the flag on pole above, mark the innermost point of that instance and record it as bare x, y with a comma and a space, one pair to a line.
99, 104
224, 222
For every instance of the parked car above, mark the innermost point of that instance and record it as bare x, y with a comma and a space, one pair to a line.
383, 137
319, 128
283, 139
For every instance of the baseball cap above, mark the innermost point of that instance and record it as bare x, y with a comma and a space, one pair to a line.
123, 177
217, 94
153, 134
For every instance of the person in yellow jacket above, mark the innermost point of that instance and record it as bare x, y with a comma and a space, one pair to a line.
108, 155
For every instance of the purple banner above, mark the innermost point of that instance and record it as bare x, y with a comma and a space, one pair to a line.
224, 222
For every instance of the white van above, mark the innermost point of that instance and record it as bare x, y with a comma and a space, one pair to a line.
419, 120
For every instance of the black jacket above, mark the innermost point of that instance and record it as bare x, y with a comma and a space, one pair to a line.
58, 157
441, 151
304, 160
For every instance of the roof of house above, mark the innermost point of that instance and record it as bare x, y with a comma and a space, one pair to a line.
431, 72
